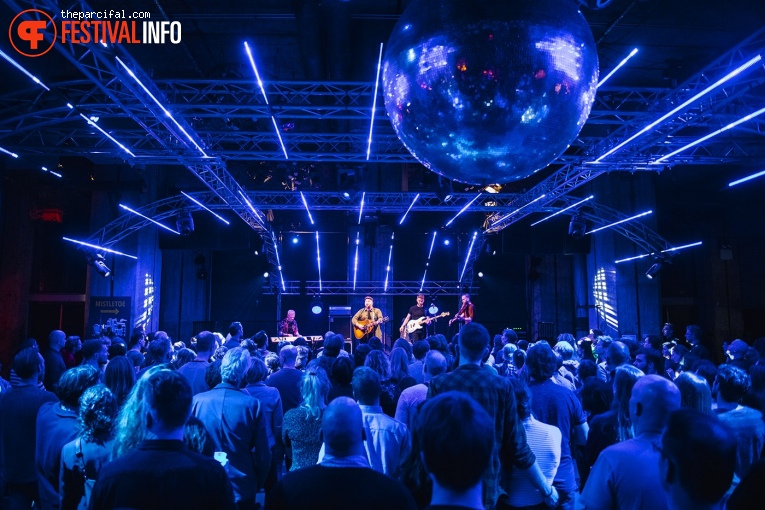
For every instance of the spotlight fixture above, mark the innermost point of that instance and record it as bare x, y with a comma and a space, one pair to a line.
98, 262
316, 305
480, 274
433, 308
265, 274
659, 263
577, 227
444, 190
295, 240
184, 223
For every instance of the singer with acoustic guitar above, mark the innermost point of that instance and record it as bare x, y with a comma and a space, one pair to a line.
466, 313
366, 322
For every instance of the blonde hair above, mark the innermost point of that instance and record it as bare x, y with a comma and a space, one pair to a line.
314, 388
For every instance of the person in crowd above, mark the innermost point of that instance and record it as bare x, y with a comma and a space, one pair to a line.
419, 350
692, 335
730, 387
56, 426
271, 404
54, 360
617, 355
544, 440
736, 351
182, 357
83, 457
343, 480
161, 472
694, 392
160, 352
457, 445
18, 429
557, 406
342, 374
652, 342
333, 345
130, 430
136, 345
601, 345
698, 458
496, 397
379, 362
301, 429
194, 371
287, 379
626, 475
649, 361
668, 333
755, 395
119, 377
72, 351
235, 335
615, 425
399, 372
238, 426
387, 440
412, 398
95, 353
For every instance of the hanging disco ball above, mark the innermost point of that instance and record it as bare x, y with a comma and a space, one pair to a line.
485, 92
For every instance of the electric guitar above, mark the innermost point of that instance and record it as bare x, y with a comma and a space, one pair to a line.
365, 327
415, 324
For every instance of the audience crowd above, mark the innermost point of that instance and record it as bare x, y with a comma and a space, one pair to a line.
471, 422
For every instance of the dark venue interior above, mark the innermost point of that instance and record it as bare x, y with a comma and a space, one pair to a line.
318, 63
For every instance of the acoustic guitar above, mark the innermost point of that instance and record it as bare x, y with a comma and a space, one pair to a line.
366, 327
415, 324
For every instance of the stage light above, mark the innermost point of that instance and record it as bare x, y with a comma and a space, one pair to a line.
563, 210
374, 102
444, 190
361, 207
467, 258
668, 250
318, 259
164, 110
480, 274
12, 154
433, 308
265, 274
664, 117
306, 207
346, 195
711, 135
356, 262
185, 223
151, 220
45, 169
625, 220
70, 106
100, 248
409, 209
200, 204
295, 239
748, 178
390, 257
659, 263
21, 68
278, 261
464, 208
446, 242
577, 227
263, 91
97, 262
316, 305
619, 66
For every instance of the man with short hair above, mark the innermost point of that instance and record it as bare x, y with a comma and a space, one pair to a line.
54, 361
626, 475
237, 426
617, 354
387, 440
650, 361
18, 429
496, 396
56, 426
558, 406
343, 479
415, 313
287, 379
456, 436
730, 386
235, 335
600, 346
162, 473
95, 353
693, 335
194, 371
411, 398
419, 350
698, 457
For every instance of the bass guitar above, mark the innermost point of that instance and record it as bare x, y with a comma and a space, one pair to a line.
415, 324
366, 327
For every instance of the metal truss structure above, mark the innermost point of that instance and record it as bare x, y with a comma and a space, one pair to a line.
374, 288
216, 121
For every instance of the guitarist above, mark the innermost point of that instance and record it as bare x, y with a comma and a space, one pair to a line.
371, 314
415, 312
466, 313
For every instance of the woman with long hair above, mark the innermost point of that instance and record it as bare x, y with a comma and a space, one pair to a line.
378, 361
301, 428
120, 377
81, 459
